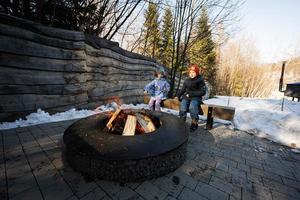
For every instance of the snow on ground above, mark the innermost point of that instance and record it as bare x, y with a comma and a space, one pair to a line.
262, 117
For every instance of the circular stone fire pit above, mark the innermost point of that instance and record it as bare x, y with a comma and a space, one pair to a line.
96, 153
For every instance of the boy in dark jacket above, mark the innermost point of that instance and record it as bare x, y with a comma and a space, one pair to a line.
191, 96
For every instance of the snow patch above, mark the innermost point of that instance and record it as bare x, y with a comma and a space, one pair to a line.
262, 117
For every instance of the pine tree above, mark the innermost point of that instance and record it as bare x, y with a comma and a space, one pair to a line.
167, 40
151, 34
203, 50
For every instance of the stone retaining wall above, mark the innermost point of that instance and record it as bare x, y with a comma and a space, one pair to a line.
55, 70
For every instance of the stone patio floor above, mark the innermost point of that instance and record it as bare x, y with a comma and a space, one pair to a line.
221, 164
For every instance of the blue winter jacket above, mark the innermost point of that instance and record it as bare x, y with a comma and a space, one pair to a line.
158, 88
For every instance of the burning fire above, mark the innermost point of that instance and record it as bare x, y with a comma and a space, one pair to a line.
140, 122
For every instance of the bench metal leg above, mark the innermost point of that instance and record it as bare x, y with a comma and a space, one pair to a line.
210, 119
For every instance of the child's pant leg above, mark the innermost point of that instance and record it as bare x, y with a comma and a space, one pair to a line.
194, 109
157, 104
184, 107
151, 103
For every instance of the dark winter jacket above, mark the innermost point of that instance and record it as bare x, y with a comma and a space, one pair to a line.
193, 88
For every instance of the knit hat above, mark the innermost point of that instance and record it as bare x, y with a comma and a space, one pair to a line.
160, 70
194, 68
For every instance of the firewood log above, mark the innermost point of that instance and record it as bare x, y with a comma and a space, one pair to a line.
130, 125
113, 117
145, 122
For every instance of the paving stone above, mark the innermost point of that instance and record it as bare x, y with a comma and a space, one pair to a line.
48, 148
288, 163
20, 184
10, 155
2, 175
17, 162
27, 140
3, 192
254, 164
172, 187
97, 193
77, 183
126, 193
297, 175
246, 195
44, 140
225, 186
291, 183
265, 174
221, 174
55, 152
30, 194
34, 150
21, 129
279, 196
58, 163
185, 180
117, 190
37, 160
206, 158
239, 177
261, 191
188, 166
149, 191
255, 178
279, 187
295, 156
197, 169
243, 167
134, 185
222, 166
210, 192
219, 162
188, 194
47, 175
19, 171
169, 197
286, 172
60, 190
72, 198
191, 154
111, 188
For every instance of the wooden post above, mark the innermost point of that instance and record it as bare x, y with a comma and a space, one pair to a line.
145, 122
130, 125
210, 119
113, 117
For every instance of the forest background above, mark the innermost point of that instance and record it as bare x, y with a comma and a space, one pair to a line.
175, 33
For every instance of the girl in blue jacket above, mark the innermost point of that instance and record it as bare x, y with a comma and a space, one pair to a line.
158, 90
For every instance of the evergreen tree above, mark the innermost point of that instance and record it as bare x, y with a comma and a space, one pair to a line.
203, 50
151, 34
167, 40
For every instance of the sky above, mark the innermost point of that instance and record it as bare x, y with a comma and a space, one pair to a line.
274, 26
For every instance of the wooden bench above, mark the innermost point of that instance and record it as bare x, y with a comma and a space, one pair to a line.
211, 111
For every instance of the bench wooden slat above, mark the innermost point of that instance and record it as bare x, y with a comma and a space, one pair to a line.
220, 112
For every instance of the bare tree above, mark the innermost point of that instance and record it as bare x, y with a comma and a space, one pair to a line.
98, 17
185, 14
240, 74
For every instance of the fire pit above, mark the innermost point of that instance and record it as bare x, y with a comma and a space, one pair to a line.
98, 153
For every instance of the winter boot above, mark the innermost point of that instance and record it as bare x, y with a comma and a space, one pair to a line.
194, 125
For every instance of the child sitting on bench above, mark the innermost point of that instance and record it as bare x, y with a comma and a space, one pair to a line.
190, 95
158, 90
